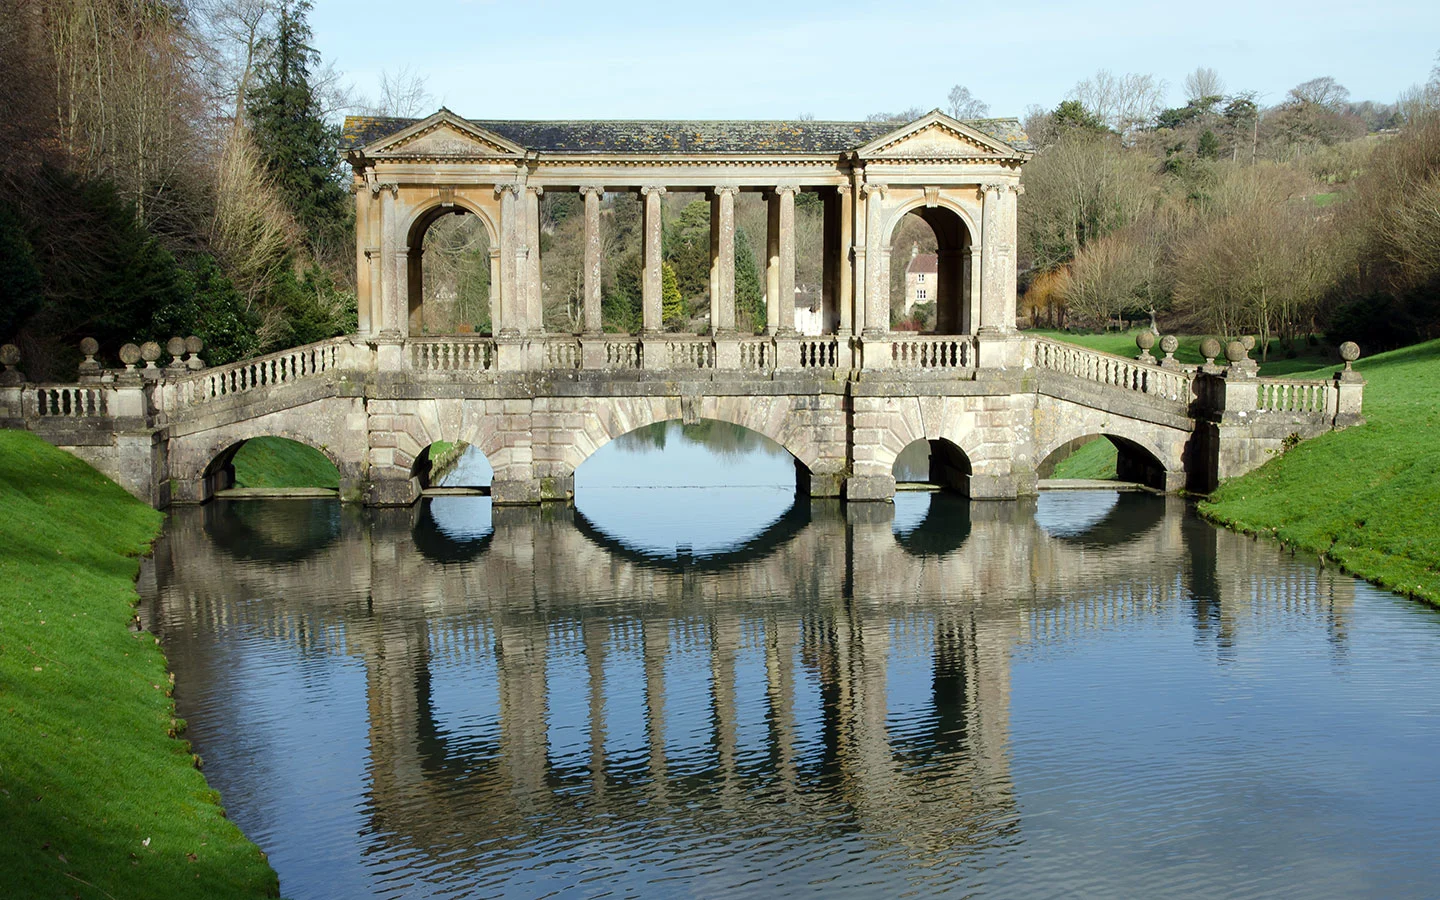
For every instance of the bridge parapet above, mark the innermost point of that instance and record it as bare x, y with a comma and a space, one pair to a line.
1111, 370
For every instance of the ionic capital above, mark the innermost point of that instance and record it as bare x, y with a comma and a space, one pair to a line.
874, 188
535, 189
587, 189
513, 188
791, 189
648, 189
377, 186
730, 189
999, 187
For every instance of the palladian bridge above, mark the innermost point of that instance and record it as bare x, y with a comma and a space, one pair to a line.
997, 406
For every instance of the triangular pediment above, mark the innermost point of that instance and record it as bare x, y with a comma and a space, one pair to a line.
938, 136
443, 135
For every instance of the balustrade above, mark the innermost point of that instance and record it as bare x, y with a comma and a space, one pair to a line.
690, 353
1294, 395
1115, 371
562, 353
819, 353
932, 352
452, 354
757, 355
277, 368
623, 354
68, 401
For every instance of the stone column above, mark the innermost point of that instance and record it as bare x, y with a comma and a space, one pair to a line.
722, 260
534, 320
592, 258
391, 259
650, 285
859, 204
366, 255
504, 305
970, 298
877, 291
997, 258
786, 194
494, 298
772, 263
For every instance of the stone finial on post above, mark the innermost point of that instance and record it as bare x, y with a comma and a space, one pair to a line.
1241, 365
130, 355
10, 359
1349, 388
150, 351
193, 346
1145, 340
176, 348
1169, 343
90, 370
1210, 348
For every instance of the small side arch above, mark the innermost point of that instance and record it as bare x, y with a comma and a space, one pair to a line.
417, 226
218, 473
425, 214
1138, 460
941, 202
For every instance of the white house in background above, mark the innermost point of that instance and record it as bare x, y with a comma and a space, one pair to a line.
920, 280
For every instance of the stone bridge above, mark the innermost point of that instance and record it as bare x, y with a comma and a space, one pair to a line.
997, 406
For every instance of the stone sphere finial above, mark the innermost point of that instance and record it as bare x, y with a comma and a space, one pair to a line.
1349, 351
1210, 348
193, 344
149, 351
1249, 341
130, 355
89, 346
1236, 351
1145, 340
10, 358
1169, 343
175, 346
10, 355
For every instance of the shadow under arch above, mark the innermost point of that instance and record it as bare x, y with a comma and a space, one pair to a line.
760, 546
1134, 462
219, 472
1131, 516
943, 529
277, 531
944, 465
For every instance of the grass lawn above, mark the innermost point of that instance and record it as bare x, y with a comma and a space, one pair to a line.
1122, 343
97, 797
1095, 460
1367, 498
274, 462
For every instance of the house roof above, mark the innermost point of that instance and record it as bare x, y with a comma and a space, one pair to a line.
676, 136
924, 263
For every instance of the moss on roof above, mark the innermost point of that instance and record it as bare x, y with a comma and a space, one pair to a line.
808, 137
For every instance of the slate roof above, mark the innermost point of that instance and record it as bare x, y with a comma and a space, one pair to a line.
677, 136
923, 263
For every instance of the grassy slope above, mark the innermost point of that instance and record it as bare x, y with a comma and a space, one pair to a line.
1367, 498
88, 773
273, 462
1094, 460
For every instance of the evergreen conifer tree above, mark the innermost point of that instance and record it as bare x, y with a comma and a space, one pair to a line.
672, 304
748, 296
296, 145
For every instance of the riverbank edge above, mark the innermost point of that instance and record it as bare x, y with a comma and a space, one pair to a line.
1376, 482
100, 796
1372, 566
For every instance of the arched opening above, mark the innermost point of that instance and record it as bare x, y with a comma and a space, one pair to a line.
1103, 457
453, 262
679, 491
937, 463
930, 273
270, 466
453, 467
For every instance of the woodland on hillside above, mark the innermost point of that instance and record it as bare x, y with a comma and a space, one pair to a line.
172, 167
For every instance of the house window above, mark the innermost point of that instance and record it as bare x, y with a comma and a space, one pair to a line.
920, 293
919, 277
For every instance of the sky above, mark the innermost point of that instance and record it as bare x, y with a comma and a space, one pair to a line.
843, 59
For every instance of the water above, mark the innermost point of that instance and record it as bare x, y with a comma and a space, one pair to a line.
706, 692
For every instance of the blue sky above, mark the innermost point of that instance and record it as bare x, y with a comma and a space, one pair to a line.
842, 59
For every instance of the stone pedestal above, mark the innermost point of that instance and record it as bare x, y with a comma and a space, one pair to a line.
1349, 392
997, 348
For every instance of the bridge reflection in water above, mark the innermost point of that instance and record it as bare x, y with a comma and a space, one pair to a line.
545, 701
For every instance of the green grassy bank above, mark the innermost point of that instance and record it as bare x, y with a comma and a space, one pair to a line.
1367, 498
274, 462
97, 797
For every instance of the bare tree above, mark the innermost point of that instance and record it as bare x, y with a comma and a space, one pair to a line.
402, 94
228, 38
1324, 91
1123, 103
964, 105
1202, 84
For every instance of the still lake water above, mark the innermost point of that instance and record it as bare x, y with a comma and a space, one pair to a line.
677, 689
